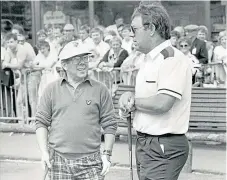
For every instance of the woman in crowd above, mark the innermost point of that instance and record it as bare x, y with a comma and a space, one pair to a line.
220, 55
45, 60
131, 65
115, 56
184, 45
112, 59
41, 36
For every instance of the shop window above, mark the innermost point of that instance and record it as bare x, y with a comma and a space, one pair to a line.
16, 12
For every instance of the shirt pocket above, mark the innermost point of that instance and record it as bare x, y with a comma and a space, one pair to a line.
151, 83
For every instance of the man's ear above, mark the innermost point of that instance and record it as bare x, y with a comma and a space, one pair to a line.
152, 30
64, 66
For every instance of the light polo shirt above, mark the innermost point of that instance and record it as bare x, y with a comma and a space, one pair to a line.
20, 54
165, 70
101, 49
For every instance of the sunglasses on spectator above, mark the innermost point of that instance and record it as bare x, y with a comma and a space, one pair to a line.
183, 45
79, 59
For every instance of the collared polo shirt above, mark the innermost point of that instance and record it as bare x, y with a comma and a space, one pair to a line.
75, 116
165, 70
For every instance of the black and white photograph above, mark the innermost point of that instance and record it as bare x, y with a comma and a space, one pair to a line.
113, 90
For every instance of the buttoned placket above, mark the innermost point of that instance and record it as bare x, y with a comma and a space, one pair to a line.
75, 93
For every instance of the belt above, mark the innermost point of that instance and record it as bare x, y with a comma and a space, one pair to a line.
161, 135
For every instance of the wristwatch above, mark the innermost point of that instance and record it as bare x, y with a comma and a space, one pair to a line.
107, 152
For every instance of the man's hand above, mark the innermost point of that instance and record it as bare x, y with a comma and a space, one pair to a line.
106, 164
46, 160
127, 101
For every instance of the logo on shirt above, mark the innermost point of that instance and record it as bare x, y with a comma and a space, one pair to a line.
88, 102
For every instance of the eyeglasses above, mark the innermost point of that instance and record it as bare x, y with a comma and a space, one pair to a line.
183, 45
78, 60
145, 26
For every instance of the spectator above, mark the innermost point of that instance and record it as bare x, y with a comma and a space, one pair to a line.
85, 40
41, 36
115, 56
131, 65
21, 39
202, 35
184, 45
19, 58
18, 30
220, 55
3, 46
44, 61
56, 42
174, 36
68, 31
100, 47
180, 29
119, 20
6, 80
198, 46
127, 40
119, 30
109, 35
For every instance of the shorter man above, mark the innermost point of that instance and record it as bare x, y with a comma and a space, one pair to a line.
75, 108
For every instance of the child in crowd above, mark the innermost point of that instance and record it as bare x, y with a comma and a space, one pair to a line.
131, 65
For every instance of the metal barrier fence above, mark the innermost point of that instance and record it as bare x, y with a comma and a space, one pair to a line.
19, 100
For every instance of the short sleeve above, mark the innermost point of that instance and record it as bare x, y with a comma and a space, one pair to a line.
172, 76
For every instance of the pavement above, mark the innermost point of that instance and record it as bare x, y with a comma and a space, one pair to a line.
20, 156
24, 171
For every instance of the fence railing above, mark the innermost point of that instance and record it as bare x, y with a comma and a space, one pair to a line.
19, 99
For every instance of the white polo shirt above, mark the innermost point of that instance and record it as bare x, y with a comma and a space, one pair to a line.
165, 70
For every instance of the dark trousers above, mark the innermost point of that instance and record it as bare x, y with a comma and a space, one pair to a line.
160, 157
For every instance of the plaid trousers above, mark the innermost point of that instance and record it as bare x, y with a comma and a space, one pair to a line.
86, 168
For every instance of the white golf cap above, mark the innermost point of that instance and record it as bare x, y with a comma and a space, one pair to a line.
68, 27
71, 51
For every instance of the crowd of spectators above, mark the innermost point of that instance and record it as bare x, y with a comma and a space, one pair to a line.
111, 48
